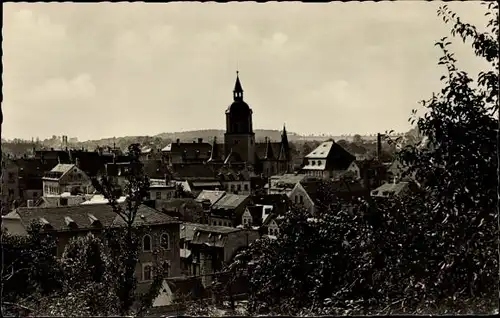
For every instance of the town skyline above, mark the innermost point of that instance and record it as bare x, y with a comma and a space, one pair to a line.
317, 69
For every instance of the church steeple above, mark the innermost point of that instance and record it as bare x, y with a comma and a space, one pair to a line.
269, 155
285, 147
238, 90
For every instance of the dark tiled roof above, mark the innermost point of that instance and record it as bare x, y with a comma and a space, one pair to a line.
80, 215
190, 151
337, 158
231, 201
155, 168
230, 173
194, 170
261, 149
311, 188
91, 162
211, 195
256, 212
280, 202
233, 157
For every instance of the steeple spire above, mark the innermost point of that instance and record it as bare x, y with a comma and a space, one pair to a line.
285, 147
214, 156
269, 155
238, 90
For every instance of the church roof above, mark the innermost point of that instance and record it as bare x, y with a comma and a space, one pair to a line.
260, 149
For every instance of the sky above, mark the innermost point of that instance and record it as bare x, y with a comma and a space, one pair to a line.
98, 70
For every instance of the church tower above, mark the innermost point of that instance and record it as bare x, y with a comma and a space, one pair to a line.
239, 136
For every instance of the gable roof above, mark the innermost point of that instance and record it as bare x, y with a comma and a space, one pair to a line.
262, 147
59, 171
190, 151
388, 189
287, 180
279, 202
334, 156
212, 195
82, 216
230, 201
193, 171
311, 187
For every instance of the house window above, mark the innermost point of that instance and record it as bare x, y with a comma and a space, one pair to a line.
271, 231
239, 187
147, 272
246, 187
301, 199
165, 241
146, 243
215, 223
296, 199
158, 195
232, 187
245, 221
35, 194
220, 223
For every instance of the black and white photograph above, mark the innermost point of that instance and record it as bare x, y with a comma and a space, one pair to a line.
163, 159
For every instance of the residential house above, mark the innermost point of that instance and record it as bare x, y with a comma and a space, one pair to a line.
118, 173
65, 199
156, 168
284, 184
66, 178
161, 189
227, 210
394, 189
235, 181
9, 183
185, 209
187, 153
373, 173
71, 221
188, 268
328, 161
214, 246
305, 194
211, 195
31, 172
100, 199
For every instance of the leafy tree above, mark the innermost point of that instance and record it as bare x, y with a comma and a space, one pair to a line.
89, 283
434, 251
357, 139
124, 242
29, 269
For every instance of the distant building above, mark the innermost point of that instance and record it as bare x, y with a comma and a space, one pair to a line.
329, 161
66, 178
240, 148
394, 189
71, 221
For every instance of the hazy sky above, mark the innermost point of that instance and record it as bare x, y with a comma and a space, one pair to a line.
102, 70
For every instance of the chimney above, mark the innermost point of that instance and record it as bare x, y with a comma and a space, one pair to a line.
194, 141
379, 146
77, 162
178, 141
200, 140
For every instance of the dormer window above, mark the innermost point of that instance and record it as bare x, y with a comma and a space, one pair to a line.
45, 224
93, 220
69, 221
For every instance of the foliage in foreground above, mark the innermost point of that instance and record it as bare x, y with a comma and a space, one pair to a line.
95, 275
432, 252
